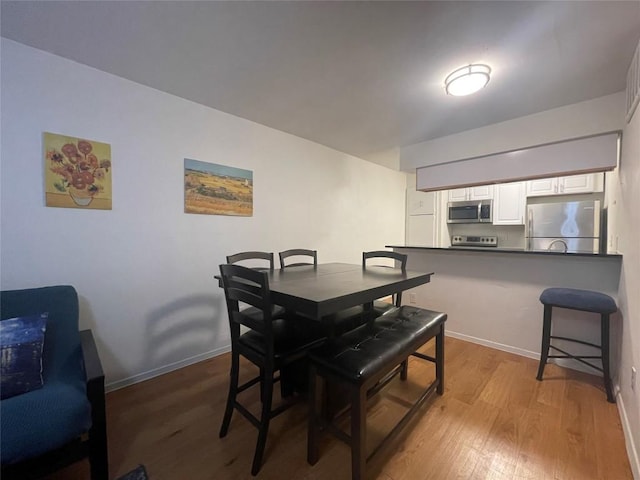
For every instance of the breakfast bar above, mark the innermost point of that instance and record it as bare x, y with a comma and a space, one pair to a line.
491, 295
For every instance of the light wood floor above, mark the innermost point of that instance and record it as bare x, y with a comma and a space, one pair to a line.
494, 421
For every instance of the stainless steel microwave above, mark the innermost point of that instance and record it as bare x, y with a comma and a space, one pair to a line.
475, 211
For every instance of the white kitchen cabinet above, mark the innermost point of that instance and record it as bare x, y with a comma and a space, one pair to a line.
482, 192
542, 186
457, 194
587, 183
584, 183
420, 203
509, 203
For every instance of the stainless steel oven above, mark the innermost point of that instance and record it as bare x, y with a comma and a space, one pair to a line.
476, 211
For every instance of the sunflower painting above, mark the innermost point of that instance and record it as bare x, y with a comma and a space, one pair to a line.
217, 189
77, 172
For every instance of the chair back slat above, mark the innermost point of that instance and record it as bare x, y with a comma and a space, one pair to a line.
259, 326
245, 293
399, 257
298, 252
255, 255
248, 286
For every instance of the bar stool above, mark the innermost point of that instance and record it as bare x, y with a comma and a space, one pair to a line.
586, 301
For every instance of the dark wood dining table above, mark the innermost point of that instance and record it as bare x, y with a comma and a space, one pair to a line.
318, 291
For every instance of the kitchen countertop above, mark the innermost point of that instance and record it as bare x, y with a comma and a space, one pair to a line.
520, 251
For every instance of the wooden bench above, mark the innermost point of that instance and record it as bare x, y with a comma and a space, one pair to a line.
365, 360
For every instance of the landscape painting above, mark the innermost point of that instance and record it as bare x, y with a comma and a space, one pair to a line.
217, 189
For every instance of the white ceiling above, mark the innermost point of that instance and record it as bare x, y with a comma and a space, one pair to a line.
362, 77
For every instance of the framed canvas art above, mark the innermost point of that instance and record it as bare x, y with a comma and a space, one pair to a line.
217, 189
77, 172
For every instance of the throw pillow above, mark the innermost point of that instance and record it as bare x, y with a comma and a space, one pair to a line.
21, 342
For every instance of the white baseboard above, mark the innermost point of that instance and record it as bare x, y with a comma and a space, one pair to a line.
563, 362
629, 441
141, 377
498, 346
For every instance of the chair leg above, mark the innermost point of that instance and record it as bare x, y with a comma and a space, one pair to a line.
358, 433
287, 387
231, 396
265, 418
604, 343
313, 431
546, 340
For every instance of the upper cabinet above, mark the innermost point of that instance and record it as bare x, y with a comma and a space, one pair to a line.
586, 183
420, 203
483, 192
509, 203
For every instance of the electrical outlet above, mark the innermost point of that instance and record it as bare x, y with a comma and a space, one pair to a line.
412, 298
633, 378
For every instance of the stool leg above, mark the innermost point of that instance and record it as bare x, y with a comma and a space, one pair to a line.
546, 340
604, 340
440, 360
358, 432
404, 370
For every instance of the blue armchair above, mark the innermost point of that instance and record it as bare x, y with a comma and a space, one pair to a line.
64, 421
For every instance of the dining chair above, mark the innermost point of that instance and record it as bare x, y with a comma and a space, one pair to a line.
260, 257
381, 306
270, 344
298, 252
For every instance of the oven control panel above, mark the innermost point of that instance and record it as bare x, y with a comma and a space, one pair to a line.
473, 241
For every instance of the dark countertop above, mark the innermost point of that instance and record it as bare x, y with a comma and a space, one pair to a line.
517, 251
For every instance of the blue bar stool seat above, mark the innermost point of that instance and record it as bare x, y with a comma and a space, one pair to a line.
586, 301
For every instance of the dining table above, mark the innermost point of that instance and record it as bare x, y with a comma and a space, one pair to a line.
317, 291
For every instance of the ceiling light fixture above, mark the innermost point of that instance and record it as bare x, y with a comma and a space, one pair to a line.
467, 80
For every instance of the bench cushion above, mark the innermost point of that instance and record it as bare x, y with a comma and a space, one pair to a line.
369, 349
585, 300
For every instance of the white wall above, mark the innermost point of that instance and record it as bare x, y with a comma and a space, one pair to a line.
144, 270
624, 204
578, 120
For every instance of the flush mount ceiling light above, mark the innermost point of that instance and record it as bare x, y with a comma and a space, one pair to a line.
467, 80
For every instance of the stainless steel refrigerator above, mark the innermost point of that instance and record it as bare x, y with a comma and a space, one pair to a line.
572, 227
